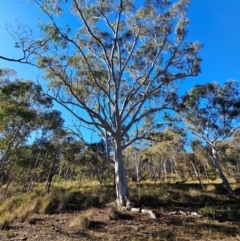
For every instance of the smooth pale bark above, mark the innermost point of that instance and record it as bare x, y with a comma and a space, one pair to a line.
122, 193
137, 160
164, 166
219, 171
4, 158
197, 175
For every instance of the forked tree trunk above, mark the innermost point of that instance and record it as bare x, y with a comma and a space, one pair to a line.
197, 175
122, 193
219, 171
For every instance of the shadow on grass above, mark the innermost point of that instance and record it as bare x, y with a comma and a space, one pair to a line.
97, 225
187, 226
188, 197
219, 229
125, 216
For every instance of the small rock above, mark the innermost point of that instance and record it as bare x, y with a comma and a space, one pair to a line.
136, 210
195, 214
182, 213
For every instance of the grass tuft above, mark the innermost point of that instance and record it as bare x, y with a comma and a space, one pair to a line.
9, 234
113, 212
207, 211
81, 222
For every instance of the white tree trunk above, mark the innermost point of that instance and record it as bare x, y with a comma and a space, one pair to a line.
122, 193
197, 175
219, 171
137, 161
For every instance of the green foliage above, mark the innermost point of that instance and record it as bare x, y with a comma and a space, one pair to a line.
145, 175
121, 60
96, 66
211, 112
213, 109
27, 122
207, 211
9, 234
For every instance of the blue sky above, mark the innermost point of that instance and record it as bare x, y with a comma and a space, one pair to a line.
215, 23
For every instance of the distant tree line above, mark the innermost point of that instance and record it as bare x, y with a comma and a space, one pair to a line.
36, 148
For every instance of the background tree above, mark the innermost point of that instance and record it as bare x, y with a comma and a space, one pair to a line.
135, 161
212, 113
26, 118
168, 153
119, 67
202, 160
234, 151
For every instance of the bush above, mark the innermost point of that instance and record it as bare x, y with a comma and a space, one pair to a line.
207, 211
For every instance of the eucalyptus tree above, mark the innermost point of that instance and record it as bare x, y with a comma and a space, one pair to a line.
135, 161
202, 161
26, 117
212, 114
116, 67
17, 117
234, 152
167, 153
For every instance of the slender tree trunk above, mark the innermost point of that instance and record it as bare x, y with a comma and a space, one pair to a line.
197, 175
4, 159
237, 169
99, 175
172, 171
80, 179
153, 171
161, 170
122, 193
219, 171
206, 172
180, 172
7, 186
137, 167
49, 178
26, 179
41, 175
59, 174
165, 170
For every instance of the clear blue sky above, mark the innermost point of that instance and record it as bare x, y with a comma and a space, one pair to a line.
215, 23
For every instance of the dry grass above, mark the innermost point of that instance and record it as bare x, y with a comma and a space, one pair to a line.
220, 212
81, 222
113, 212
60, 198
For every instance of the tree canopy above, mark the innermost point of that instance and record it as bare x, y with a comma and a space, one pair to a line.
212, 113
117, 69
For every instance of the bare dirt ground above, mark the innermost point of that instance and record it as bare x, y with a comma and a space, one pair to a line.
217, 215
129, 226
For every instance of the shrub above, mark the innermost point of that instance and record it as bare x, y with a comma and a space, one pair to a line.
207, 211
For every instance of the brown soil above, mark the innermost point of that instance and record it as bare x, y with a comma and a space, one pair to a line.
129, 226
